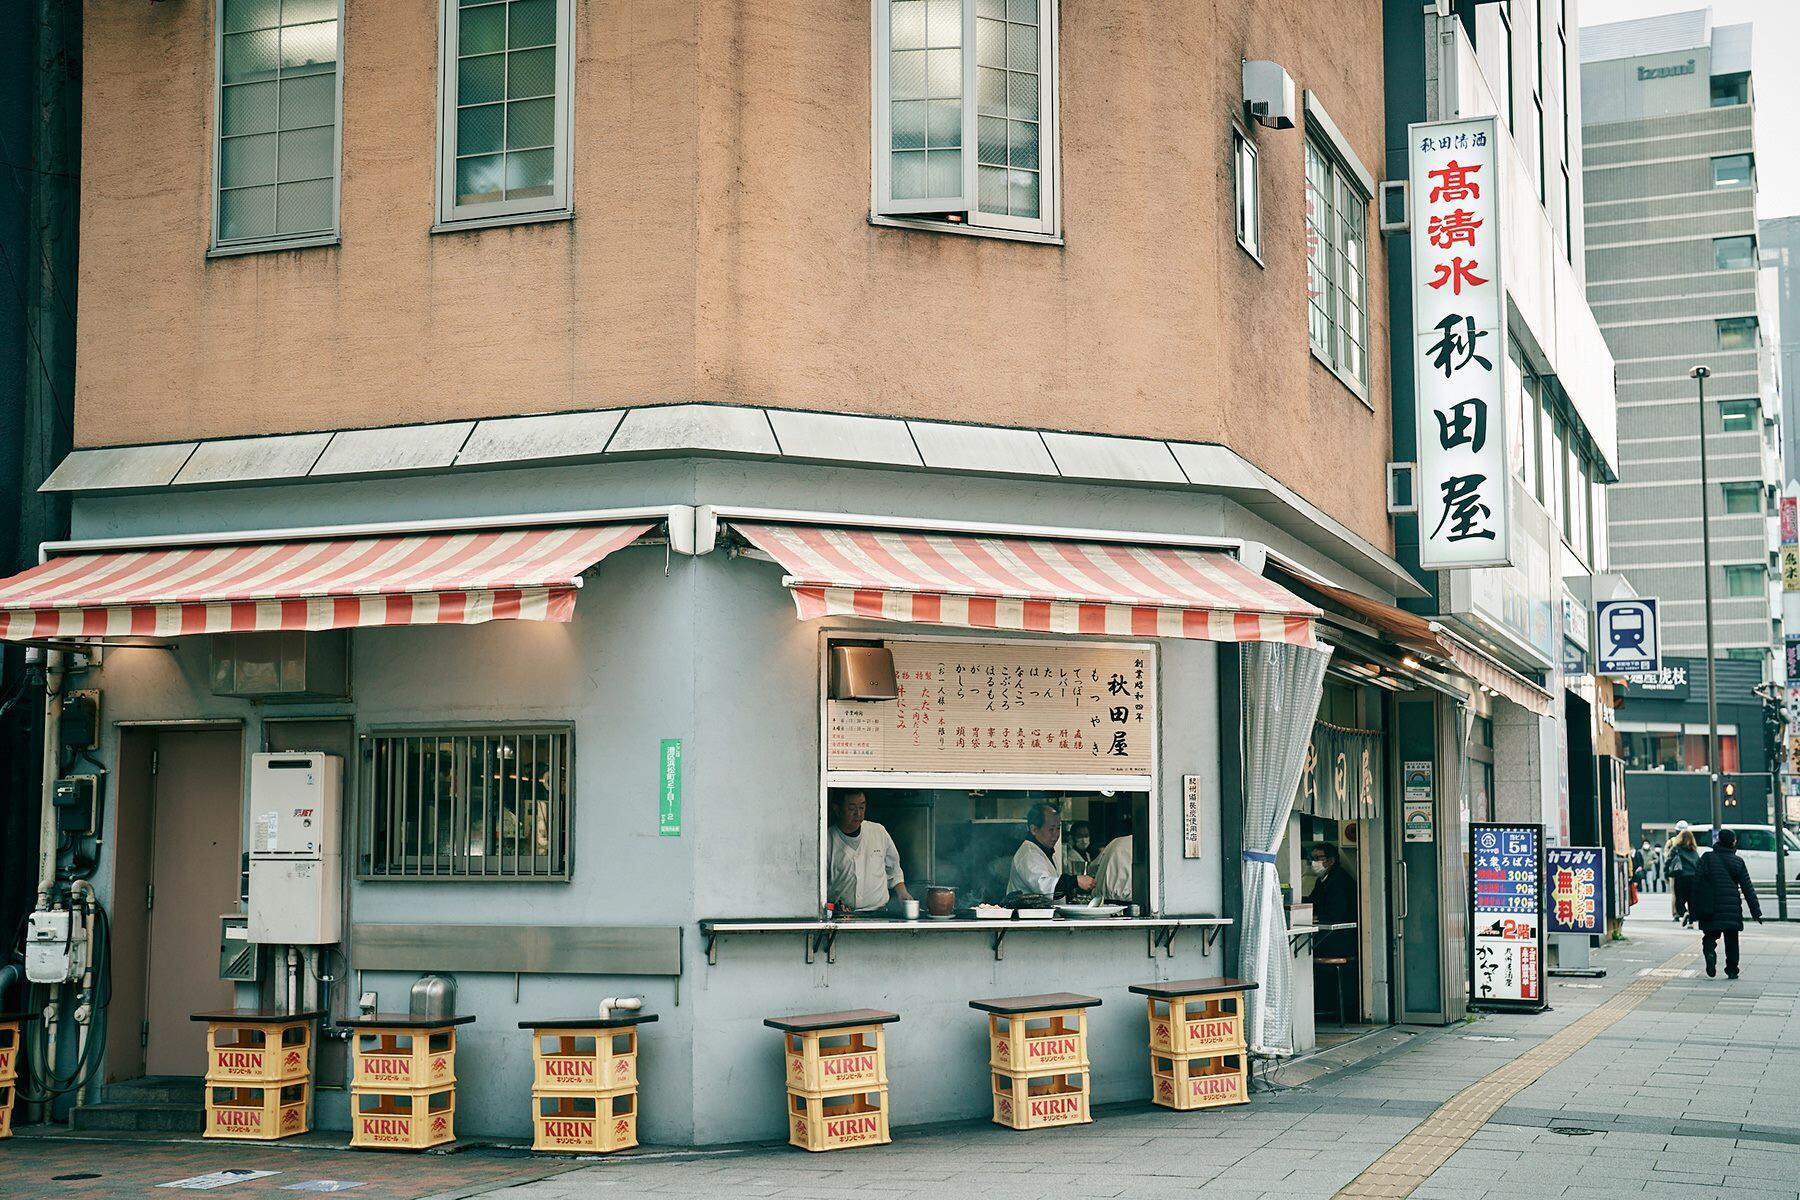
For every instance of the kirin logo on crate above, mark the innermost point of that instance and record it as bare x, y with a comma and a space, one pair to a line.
1215, 1031
1049, 1050
387, 1128
1055, 1108
239, 1062
860, 1128
387, 1068
290, 1120
569, 1070
293, 1062
621, 1126
1206, 1087
844, 1067
570, 1131
439, 1125
244, 1120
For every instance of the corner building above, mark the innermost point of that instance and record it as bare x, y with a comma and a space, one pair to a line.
996, 342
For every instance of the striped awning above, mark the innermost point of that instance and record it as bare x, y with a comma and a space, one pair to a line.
1499, 679
427, 579
1044, 586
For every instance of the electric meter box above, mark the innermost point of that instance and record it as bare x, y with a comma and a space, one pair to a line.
295, 802
296, 868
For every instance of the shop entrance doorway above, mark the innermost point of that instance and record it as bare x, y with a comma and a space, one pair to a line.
179, 838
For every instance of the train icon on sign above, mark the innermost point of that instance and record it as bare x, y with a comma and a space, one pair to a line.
1628, 641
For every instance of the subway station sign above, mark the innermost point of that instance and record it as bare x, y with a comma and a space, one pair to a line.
1463, 485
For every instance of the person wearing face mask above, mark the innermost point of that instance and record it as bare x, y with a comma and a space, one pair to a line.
1334, 901
1079, 854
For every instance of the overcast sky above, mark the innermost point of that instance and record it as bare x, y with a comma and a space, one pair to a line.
1775, 75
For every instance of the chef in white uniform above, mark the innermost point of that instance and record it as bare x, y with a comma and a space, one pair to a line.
1034, 863
863, 865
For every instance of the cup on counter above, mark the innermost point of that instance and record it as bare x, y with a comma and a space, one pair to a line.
909, 909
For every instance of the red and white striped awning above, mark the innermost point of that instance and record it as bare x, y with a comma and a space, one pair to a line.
425, 579
981, 582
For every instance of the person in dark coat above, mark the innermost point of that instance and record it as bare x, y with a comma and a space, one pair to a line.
1721, 878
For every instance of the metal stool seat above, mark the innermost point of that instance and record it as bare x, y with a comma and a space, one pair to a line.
1339, 965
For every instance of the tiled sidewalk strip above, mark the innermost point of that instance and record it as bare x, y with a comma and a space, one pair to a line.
1417, 1155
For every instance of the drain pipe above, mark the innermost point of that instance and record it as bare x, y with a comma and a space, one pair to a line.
55, 672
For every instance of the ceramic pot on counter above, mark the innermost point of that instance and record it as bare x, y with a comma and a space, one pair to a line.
940, 901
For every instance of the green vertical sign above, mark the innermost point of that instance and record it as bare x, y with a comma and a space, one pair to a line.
668, 813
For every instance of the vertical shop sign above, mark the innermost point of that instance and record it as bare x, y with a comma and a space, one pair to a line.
1459, 325
1790, 568
1190, 816
1577, 889
1506, 906
1790, 521
668, 808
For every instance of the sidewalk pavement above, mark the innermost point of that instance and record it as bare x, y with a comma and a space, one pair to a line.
1693, 1092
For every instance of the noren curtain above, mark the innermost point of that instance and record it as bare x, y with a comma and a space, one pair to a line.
1281, 688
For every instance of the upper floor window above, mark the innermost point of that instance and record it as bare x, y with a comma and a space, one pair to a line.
276, 167
1336, 264
504, 140
1742, 497
1730, 89
1734, 253
1746, 581
1732, 170
1249, 193
965, 113
1736, 333
1736, 416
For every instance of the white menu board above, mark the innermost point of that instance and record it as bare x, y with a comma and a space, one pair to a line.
1011, 708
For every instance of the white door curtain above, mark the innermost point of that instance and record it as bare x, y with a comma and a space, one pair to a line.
1282, 684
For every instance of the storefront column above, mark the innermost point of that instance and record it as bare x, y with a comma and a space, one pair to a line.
1231, 797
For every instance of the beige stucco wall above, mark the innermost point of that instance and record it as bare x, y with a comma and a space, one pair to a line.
721, 249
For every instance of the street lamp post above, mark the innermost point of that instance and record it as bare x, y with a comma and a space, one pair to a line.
1700, 373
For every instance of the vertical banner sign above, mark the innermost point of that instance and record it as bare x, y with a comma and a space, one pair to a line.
668, 808
1464, 488
1790, 568
1190, 816
1790, 521
1506, 909
1577, 889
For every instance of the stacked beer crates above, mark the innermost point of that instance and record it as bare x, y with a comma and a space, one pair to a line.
1038, 1055
11, 1034
403, 1082
584, 1083
258, 1074
1197, 1054
837, 1082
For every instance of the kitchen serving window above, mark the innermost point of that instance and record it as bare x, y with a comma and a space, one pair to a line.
504, 139
1336, 264
965, 113
489, 802
275, 167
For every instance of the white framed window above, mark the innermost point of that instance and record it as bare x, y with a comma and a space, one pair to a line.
1248, 189
278, 114
1336, 264
964, 127
506, 88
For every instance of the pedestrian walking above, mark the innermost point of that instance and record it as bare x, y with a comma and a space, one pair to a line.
1640, 865
1717, 884
1657, 882
1682, 859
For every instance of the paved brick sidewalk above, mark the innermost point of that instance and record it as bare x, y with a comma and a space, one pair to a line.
1695, 1091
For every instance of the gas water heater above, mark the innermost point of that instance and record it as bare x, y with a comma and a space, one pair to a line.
296, 868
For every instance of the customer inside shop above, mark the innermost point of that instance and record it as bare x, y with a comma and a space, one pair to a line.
1333, 888
1014, 848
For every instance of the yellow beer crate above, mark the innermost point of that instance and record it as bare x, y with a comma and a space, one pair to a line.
1028, 1101
836, 1060
269, 1053
402, 1120
1184, 1081
596, 1124
256, 1113
1038, 1042
584, 1061
838, 1120
9, 1051
403, 1058
1197, 1024
7, 1094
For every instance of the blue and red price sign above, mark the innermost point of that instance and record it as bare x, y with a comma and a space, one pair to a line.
1506, 907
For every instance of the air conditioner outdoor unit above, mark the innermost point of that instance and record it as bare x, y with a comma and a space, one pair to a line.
1268, 94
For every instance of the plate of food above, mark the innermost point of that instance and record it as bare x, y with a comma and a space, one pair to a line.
1090, 911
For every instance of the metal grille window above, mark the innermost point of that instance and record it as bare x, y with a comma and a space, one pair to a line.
1336, 265
505, 138
965, 112
276, 172
486, 803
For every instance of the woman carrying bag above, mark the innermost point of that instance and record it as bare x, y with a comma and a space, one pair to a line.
1721, 878
1683, 861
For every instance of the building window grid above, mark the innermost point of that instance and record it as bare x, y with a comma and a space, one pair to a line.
1741, 498
1743, 581
1736, 333
461, 803
1733, 170
277, 120
506, 90
1736, 253
1336, 236
1738, 416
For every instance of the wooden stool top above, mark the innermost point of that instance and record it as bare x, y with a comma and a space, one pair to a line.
619, 1021
1176, 988
1332, 962
402, 1021
253, 1016
832, 1020
1012, 1006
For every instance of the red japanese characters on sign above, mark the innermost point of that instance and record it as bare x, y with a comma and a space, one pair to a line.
1459, 304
